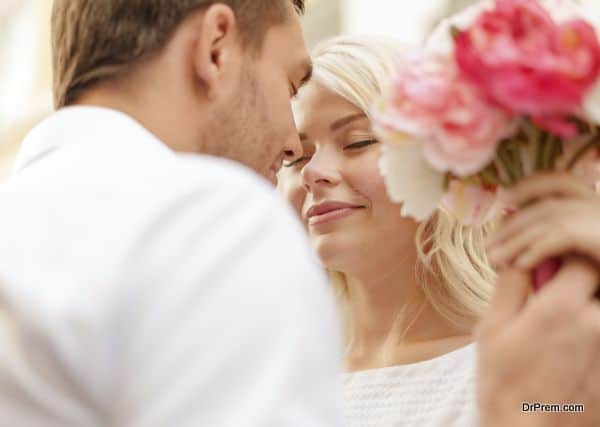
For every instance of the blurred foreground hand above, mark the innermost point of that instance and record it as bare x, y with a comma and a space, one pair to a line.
544, 349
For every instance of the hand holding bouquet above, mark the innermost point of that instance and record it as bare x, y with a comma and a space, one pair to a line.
501, 92
561, 215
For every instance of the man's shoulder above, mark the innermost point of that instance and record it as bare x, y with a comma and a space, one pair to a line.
218, 173
172, 188
189, 202
203, 217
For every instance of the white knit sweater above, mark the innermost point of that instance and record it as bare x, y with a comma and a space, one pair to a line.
439, 392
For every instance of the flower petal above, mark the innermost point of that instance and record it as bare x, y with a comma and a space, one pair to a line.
591, 104
472, 204
410, 180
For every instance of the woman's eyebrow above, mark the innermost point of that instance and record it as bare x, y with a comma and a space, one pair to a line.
338, 123
346, 120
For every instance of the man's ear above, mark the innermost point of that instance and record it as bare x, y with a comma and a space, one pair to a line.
218, 49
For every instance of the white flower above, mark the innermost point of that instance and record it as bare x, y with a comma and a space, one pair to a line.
410, 180
591, 104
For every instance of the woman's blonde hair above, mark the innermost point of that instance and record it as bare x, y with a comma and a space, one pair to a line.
450, 254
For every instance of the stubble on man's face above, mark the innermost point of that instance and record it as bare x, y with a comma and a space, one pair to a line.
255, 126
240, 128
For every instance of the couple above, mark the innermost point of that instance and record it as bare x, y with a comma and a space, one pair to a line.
142, 286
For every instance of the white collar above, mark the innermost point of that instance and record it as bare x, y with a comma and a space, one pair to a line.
82, 124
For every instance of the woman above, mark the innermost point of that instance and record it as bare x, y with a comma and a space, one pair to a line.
410, 293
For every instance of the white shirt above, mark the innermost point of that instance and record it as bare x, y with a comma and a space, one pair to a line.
143, 288
439, 392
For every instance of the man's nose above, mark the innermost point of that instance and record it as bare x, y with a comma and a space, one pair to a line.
293, 146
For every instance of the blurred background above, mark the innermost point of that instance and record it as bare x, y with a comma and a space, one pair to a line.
25, 72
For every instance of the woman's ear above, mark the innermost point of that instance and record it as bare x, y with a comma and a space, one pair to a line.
218, 49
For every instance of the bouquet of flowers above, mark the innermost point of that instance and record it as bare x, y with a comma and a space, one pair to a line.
501, 91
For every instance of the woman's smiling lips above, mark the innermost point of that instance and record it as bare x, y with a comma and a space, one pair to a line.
330, 211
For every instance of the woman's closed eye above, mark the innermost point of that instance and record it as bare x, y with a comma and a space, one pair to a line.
361, 144
354, 146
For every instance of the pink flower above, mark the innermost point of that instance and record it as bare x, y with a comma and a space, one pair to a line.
526, 63
431, 102
473, 204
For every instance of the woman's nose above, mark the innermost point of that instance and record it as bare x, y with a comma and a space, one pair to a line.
320, 171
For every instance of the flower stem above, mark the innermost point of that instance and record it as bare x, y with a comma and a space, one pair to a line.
557, 150
506, 161
516, 156
501, 172
594, 140
533, 146
541, 148
547, 154
489, 176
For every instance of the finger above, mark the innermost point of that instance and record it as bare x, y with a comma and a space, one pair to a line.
576, 281
547, 245
518, 245
544, 185
521, 220
512, 290
549, 211
590, 317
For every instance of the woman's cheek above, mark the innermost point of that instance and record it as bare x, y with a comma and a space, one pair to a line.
296, 198
290, 187
366, 179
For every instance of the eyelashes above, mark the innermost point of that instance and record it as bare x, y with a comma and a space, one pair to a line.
295, 162
361, 144
353, 146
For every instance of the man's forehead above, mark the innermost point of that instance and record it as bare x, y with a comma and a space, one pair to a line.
287, 35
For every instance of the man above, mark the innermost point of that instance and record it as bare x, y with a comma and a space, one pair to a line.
140, 287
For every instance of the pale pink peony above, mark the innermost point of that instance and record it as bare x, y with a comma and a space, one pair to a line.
527, 63
431, 102
591, 104
471, 203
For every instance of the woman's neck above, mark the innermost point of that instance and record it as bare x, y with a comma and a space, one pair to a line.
392, 322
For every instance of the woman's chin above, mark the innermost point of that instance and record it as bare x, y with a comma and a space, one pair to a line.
337, 251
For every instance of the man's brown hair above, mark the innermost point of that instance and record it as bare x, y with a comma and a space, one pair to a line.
96, 40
